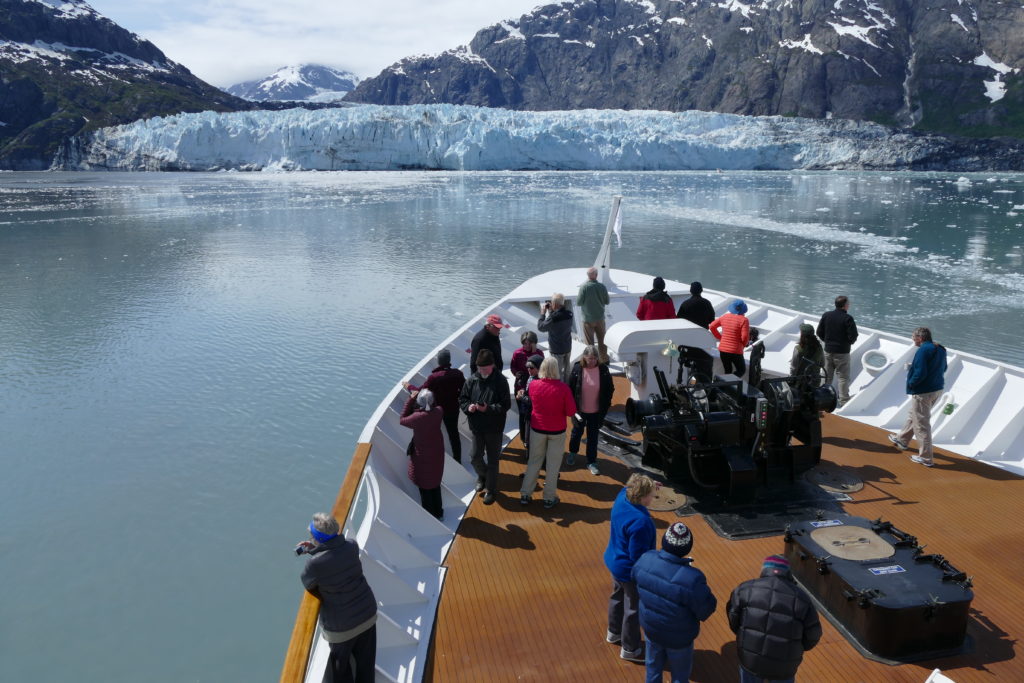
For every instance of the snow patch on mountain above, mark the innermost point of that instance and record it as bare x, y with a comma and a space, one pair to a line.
298, 83
455, 137
69, 9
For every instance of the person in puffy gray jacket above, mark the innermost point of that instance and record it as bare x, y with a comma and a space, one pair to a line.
774, 622
348, 608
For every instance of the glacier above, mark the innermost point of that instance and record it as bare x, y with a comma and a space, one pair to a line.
461, 137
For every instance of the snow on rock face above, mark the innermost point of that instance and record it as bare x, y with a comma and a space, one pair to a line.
309, 82
454, 137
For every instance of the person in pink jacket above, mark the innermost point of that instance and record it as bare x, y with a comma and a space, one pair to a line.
426, 455
656, 304
732, 330
553, 404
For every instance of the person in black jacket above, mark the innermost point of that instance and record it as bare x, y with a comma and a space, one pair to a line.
592, 388
774, 622
838, 330
488, 338
485, 398
697, 309
348, 608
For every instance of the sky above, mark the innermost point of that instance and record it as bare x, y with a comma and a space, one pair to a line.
228, 41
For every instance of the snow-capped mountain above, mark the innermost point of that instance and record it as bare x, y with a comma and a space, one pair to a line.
305, 82
452, 137
65, 68
943, 65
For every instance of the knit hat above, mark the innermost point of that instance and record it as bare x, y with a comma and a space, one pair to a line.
806, 329
677, 540
535, 360
776, 564
659, 283
738, 307
696, 288
444, 358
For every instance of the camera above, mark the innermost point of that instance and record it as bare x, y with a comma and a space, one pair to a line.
302, 548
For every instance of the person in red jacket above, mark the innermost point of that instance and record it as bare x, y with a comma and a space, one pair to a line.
553, 404
426, 457
656, 304
732, 331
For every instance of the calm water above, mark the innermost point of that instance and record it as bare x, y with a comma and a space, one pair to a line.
186, 360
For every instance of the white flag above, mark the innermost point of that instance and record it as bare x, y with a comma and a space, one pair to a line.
618, 227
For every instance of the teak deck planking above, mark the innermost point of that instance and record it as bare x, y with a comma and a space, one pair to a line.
526, 593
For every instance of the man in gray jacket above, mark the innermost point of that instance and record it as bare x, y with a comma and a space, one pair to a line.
348, 608
557, 322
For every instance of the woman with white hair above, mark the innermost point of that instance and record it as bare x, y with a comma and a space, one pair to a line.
426, 454
552, 404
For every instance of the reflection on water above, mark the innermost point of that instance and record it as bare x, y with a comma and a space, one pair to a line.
187, 359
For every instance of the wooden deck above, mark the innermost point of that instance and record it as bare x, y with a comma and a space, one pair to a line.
526, 593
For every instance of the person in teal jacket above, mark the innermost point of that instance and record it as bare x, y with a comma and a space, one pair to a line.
632, 535
925, 382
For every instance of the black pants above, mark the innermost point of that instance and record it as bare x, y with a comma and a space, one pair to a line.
592, 423
524, 425
451, 425
430, 499
487, 471
359, 653
733, 364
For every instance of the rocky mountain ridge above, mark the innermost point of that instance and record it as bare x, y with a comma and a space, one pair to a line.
303, 82
66, 69
951, 66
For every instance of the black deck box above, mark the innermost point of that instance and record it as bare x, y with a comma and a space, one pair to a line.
880, 588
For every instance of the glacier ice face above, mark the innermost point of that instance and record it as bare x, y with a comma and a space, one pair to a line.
454, 137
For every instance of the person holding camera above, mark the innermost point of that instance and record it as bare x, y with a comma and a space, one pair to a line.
348, 608
556, 320
485, 399
426, 454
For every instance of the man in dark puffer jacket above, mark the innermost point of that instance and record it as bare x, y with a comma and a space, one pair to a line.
774, 622
674, 599
348, 609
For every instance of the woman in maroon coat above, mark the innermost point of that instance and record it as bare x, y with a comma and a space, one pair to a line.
426, 459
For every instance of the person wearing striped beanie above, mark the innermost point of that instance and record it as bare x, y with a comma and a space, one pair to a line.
674, 599
774, 622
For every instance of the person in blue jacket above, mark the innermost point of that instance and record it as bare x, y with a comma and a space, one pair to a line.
632, 535
925, 382
674, 599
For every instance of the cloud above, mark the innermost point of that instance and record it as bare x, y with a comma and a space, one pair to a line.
227, 41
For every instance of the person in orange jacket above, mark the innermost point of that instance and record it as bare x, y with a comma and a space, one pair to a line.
732, 330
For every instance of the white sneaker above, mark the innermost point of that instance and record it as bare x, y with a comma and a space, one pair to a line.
921, 461
897, 443
593, 469
637, 656
613, 638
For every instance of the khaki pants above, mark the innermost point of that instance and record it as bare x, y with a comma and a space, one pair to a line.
838, 364
546, 449
597, 328
919, 422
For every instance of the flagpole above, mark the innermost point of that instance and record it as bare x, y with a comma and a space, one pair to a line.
603, 260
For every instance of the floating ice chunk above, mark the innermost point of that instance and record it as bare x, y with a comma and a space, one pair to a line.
962, 180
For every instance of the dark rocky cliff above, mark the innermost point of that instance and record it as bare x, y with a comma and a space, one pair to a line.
952, 66
64, 69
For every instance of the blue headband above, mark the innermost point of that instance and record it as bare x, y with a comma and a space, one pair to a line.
320, 536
